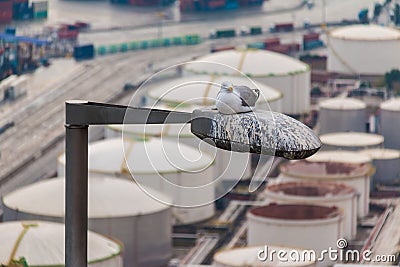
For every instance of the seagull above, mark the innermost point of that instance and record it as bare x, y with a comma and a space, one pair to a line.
236, 99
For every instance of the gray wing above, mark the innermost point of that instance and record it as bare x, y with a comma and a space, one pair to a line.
249, 96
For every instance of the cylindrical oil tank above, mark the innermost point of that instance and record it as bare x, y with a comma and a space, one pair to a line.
228, 166
203, 89
342, 115
351, 48
351, 141
185, 177
339, 156
325, 194
40, 243
387, 165
117, 208
295, 225
262, 256
290, 76
390, 122
354, 175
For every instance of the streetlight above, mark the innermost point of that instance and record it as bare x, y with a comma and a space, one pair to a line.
255, 132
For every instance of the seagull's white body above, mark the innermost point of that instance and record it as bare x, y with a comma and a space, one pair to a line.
236, 99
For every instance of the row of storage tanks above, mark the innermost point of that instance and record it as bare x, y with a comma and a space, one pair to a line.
118, 208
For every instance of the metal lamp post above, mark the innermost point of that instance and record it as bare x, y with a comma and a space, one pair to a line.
263, 133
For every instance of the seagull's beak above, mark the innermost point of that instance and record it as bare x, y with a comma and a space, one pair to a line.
230, 88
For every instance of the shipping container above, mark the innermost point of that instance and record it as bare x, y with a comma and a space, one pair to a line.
310, 36
6, 9
221, 48
223, 33
68, 34
82, 52
255, 30
270, 42
22, 10
256, 45
40, 9
245, 3
10, 30
313, 44
282, 27
231, 4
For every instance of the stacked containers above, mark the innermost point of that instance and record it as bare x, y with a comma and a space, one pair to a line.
40, 9
354, 175
390, 121
324, 194
117, 208
311, 40
302, 225
342, 115
21, 10
6, 11
39, 243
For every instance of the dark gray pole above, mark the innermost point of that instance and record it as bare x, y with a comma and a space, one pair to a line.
76, 205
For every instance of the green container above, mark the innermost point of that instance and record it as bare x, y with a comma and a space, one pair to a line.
177, 41
155, 43
112, 49
40, 15
144, 44
101, 50
133, 46
123, 47
166, 42
256, 45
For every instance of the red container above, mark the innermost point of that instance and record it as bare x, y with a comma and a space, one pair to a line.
270, 42
223, 48
6, 8
68, 34
312, 36
282, 48
144, 2
284, 26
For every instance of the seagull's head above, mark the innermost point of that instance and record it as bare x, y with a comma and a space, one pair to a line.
227, 86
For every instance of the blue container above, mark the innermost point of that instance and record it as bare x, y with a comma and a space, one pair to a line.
313, 44
10, 30
256, 45
84, 52
232, 4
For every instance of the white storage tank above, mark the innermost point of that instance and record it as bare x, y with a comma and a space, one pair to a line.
343, 156
289, 75
351, 49
354, 175
40, 243
155, 163
325, 194
390, 122
295, 225
203, 89
387, 165
248, 257
350, 141
228, 166
117, 208
342, 115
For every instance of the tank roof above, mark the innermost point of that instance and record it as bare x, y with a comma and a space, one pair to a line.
43, 244
203, 89
339, 156
343, 104
143, 157
295, 211
310, 189
247, 256
327, 170
351, 139
391, 104
381, 153
369, 32
254, 63
108, 198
